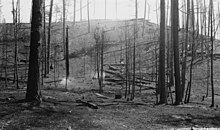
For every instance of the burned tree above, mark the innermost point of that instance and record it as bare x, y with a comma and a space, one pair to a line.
162, 85
33, 86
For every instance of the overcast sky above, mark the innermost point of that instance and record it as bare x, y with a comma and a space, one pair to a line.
126, 9
97, 9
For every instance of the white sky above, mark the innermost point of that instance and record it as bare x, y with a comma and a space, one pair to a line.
126, 9
97, 9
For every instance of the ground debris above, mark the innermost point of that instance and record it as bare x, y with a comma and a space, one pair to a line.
89, 104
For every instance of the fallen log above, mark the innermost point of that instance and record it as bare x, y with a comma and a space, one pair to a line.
101, 96
117, 74
123, 81
91, 105
113, 68
53, 81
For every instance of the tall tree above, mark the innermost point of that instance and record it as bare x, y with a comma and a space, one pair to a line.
212, 46
48, 36
74, 12
44, 40
175, 24
15, 22
67, 55
102, 60
64, 27
205, 33
64, 36
171, 69
134, 49
185, 51
33, 86
145, 4
88, 16
162, 85
192, 51
81, 10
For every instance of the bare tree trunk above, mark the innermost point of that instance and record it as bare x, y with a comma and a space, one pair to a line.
126, 60
162, 85
134, 49
15, 22
48, 36
193, 51
64, 35
129, 64
55, 64
102, 61
74, 13
185, 49
175, 22
88, 16
18, 11
44, 41
67, 56
212, 46
202, 29
171, 74
64, 28
205, 32
156, 70
33, 86
145, 4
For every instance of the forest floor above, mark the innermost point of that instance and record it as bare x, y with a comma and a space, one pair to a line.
61, 110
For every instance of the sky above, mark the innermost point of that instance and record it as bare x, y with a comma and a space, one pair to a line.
125, 9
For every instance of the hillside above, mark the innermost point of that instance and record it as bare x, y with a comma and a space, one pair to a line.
69, 109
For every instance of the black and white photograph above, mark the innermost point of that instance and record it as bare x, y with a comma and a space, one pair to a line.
109, 64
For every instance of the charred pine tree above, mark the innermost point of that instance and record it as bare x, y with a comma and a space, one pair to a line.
15, 18
48, 36
88, 16
192, 53
67, 56
126, 62
33, 86
44, 40
202, 29
185, 51
171, 74
175, 24
162, 84
102, 61
134, 49
145, 4
212, 47
74, 13
98, 56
